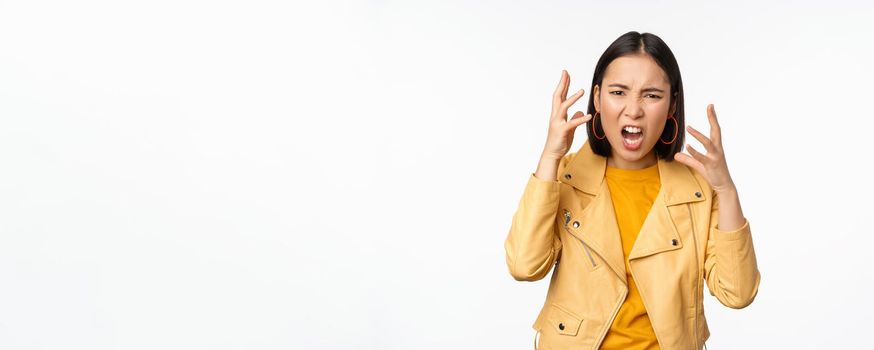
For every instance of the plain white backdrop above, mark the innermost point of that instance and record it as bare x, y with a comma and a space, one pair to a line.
341, 175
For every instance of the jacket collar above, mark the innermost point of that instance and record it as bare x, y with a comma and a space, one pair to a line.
585, 171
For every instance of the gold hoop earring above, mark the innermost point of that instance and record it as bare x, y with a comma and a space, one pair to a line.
597, 114
676, 127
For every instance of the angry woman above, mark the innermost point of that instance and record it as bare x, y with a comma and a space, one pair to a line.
630, 227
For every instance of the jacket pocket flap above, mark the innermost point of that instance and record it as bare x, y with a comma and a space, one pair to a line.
564, 321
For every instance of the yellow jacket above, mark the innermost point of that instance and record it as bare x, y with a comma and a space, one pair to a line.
568, 226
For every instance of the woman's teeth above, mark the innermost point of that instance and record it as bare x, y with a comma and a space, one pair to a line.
633, 141
632, 135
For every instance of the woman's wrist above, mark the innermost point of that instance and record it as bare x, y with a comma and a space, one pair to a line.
550, 156
547, 168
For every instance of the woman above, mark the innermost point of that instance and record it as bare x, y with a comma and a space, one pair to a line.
631, 227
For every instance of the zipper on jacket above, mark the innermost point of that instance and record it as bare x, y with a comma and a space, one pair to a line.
567, 219
609, 322
643, 299
697, 276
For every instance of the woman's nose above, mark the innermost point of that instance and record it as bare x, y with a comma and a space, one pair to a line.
634, 109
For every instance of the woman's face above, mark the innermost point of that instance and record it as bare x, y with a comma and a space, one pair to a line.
635, 93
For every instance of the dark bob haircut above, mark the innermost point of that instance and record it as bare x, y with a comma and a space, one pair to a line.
634, 43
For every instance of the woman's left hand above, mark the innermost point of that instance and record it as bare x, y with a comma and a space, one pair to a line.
711, 165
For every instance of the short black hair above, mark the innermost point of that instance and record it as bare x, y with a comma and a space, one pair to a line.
634, 43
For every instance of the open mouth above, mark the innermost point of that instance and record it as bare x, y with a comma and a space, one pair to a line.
632, 135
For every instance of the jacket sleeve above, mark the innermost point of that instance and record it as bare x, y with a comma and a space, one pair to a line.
533, 244
730, 266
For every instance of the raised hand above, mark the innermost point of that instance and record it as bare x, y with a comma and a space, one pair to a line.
711, 165
561, 130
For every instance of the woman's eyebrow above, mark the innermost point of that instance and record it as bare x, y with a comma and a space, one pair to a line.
622, 86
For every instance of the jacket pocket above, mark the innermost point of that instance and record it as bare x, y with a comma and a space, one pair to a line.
563, 321
563, 329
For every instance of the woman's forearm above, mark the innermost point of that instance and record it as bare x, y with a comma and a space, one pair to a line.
731, 216
547, 169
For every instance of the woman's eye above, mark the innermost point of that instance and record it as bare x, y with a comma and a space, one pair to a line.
617, 93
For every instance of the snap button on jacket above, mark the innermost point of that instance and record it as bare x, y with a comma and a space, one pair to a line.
568, 226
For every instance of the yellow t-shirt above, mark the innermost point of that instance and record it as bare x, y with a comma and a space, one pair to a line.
632, 192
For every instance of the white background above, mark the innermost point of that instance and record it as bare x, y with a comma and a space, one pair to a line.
267, 175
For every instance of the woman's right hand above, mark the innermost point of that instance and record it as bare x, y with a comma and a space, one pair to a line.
561, 130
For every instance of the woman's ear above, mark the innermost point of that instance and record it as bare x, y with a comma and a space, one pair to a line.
596, 92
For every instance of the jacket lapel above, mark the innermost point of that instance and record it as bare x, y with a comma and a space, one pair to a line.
598, 227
